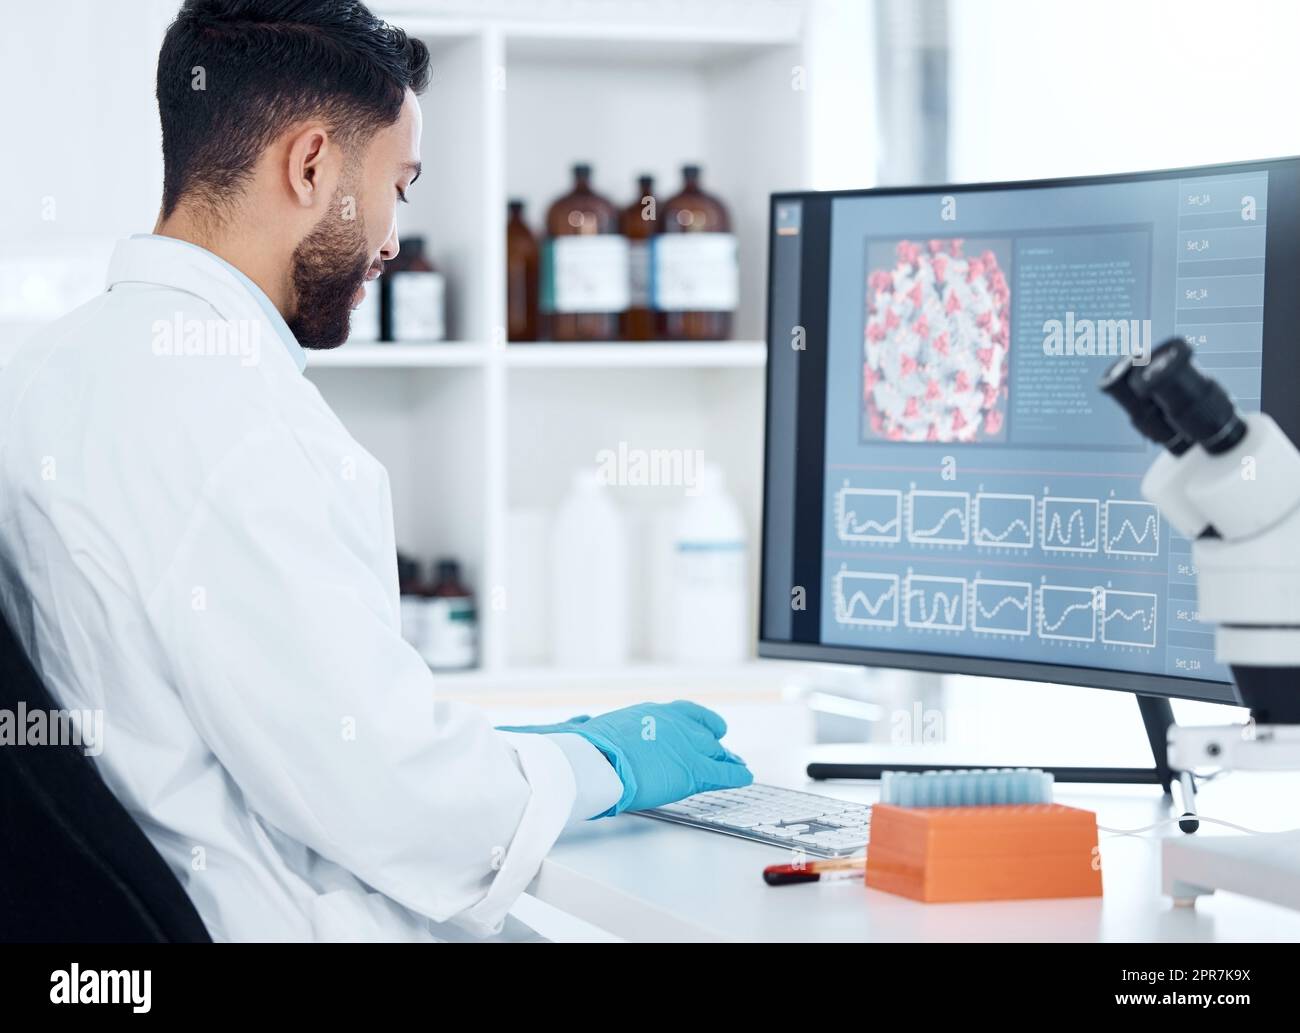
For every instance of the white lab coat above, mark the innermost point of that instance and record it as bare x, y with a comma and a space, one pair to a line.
194, 545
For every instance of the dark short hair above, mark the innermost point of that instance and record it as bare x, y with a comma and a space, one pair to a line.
235, 74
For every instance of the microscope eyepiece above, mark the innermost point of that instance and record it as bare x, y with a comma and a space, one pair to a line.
1195, 405
1147, 416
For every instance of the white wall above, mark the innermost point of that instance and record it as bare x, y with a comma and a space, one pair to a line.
77, 78
83, 161
1043, 89
1050, 88
840, 66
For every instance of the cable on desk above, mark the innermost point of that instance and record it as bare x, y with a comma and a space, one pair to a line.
1200, 817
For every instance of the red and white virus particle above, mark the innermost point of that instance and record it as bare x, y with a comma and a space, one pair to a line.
937, 341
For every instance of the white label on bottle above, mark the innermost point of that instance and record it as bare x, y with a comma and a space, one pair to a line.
718, 564
709, 619
589, 273
364, 324
696, 272
638, 273
419, 306
449, 632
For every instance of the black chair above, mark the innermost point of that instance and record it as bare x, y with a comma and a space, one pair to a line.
74, 865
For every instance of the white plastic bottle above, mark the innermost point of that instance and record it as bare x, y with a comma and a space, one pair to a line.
707, 618
589, 582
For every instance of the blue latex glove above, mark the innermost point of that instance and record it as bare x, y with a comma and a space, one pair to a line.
662, 751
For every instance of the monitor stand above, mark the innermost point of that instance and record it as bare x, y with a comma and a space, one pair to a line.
1157, 717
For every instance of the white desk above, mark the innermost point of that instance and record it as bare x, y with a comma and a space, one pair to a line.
642, 879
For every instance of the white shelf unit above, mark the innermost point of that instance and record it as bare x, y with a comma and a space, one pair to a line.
672, 355
613, 355
474, 429
399, 356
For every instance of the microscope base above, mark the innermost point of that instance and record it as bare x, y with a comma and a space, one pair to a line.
1266, 867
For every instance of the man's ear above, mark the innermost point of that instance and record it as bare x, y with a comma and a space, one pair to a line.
310, 150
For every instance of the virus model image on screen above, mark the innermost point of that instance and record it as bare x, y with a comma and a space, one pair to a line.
936, 342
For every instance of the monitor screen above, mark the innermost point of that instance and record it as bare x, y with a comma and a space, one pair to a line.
946, 487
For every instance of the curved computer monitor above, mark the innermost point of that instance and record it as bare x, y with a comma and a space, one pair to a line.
946, 489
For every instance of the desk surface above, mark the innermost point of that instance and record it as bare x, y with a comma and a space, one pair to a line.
643, 879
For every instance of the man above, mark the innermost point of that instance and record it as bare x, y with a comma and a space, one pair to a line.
191, 542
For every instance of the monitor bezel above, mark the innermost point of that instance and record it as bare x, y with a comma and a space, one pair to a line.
1279, 397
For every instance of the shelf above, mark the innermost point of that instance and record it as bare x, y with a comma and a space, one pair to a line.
682, 30
401, 356
474, 430
764, 677
651, 354
597, 355
645, 44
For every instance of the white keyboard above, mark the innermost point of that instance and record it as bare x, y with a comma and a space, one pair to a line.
818, 825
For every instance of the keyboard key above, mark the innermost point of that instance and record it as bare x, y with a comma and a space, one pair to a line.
818, 824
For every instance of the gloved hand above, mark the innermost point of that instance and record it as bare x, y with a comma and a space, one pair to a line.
662, 751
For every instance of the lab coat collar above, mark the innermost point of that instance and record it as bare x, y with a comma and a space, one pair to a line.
170, 262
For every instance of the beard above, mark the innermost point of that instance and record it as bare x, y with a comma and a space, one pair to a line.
329, 265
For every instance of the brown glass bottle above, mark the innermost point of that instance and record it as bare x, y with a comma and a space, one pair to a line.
639, 222
522, 264
583, 213
694, 211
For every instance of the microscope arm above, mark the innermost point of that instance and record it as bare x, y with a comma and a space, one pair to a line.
1242, 508
1231, 484
1248, 585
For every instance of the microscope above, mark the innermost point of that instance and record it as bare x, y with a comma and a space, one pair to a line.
1231, 484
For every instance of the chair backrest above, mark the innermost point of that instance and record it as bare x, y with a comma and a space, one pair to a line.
74, 865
